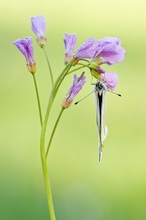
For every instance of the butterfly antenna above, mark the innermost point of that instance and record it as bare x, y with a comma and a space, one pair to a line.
114, 93
83, 98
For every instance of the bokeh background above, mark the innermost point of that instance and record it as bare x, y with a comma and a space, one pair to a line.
82, 188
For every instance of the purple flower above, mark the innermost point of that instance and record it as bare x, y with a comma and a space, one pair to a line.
110, 79
109, 51
26, 48
70, 42
38, 25
87, 49
74, 90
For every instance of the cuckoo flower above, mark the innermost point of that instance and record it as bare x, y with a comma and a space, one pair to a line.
38, 25
26, 48
110, 51
70, 42
110, 79
74, 90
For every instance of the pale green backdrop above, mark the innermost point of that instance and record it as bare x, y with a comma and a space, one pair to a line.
82, 188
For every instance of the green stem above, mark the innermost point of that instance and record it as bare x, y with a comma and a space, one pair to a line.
51, 100
53, 132
49, 66
76, 69
42, 139
38, 99
48, 187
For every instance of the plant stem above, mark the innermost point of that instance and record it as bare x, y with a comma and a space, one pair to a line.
78, 68
38, 99
42, 139
51, 100
49, 66
48, 187
53, 132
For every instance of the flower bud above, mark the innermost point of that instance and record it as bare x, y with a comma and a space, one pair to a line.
38, 25
74, 90
26, 48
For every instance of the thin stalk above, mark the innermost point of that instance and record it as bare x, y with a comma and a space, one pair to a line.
76, 69
48, 187
38, 99
49, 66
53, 132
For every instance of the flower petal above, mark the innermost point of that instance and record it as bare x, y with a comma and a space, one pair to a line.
110, 50
26, 48
38, 25
70, 42
111, 80
87, 49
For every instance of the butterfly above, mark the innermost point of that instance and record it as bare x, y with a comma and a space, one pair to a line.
100, 95
102, 86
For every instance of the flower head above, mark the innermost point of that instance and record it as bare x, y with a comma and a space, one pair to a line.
74, 90
70, 42
110, 51
38, 25
110, 79
26, 48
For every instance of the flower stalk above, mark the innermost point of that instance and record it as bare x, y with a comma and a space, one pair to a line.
38, 99
49, 66
53, 132
47, 185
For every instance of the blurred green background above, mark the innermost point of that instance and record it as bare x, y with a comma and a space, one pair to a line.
82, 188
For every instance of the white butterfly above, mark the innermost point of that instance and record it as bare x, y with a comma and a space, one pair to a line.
108, 83
100, 95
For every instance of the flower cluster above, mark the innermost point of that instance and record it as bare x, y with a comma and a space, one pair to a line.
106, 51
